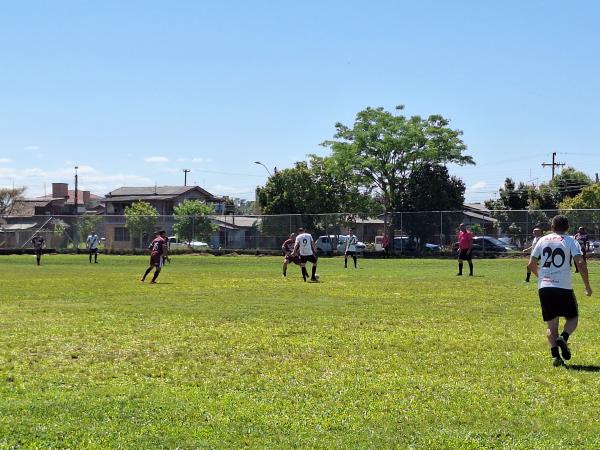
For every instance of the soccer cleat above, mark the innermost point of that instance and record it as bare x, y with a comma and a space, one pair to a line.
557, 361
314, 280
564, 348
459, 274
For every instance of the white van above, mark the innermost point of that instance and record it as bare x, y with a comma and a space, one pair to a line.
194, 245
335, 243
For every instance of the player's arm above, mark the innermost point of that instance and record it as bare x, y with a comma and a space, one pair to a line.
583, 271
533, 265
296, 248
314, 246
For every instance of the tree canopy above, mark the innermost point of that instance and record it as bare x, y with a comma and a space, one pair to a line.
141, 218
381, 150
192, 220
9, 198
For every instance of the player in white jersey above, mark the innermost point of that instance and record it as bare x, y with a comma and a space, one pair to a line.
305, 247
92, 243
350, 248
537, 234
554, 252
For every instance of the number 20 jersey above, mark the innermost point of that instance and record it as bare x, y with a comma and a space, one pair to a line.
554, 251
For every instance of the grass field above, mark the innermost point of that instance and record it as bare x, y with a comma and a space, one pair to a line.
224, 353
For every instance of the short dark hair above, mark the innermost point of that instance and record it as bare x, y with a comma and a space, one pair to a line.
560, 223
301, 229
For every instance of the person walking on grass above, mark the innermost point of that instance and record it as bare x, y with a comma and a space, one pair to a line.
38, 243
350, 248
288, 249
584, 242
465, 248
557, 299
158, 254
537, 234
92, 243
306, 248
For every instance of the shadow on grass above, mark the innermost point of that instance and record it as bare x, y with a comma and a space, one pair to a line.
583, 368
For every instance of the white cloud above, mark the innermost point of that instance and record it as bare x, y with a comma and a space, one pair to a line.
32, 148
201, 160
156, 159
478, 185
5, 161
89, 179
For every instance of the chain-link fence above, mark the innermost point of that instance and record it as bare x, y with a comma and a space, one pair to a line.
407, 233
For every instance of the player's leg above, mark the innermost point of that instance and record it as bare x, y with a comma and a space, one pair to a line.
470, 261
148, 270
314, 269
345, 260
528, 275
156, 274
551, 335
96, 256
460, 264
90, 254
354, 258
285, 264
303, 268
38, 257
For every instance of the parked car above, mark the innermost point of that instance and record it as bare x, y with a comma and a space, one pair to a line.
409, 246
174, 242
489, 245
335, 243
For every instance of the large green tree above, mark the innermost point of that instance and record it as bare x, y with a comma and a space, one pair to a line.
141, 218
382, 150
9, 198
431, 188
583, 209
320, 191
192, 221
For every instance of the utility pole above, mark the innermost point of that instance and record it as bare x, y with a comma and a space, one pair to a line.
554, 164
185, 172
76, 180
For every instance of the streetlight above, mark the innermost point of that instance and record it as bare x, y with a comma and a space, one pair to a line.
266, 168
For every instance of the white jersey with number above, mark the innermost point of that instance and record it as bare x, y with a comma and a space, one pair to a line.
351, 243
92, 241
554, 252
305, 241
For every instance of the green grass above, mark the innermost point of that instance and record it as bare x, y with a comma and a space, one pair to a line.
224, 353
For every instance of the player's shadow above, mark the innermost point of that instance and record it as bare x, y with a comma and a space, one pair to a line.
583, 367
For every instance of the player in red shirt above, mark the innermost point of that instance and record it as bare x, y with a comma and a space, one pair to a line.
288, 249
158, 253
465, 247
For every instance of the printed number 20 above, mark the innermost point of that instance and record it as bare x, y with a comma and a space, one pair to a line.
551, 257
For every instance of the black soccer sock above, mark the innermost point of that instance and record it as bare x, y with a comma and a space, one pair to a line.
146, 273
304, 273
354, 258
345, 262
460, 266
565, 335
95, 257
554, 351
285, 271
528, 275
156, 274
470, 268
314, 272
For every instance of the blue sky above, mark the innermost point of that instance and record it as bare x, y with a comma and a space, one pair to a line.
133, 92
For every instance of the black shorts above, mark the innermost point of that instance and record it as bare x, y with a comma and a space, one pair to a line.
308, 258
38, 251
557, 302
464, 255
93, 251
350, 253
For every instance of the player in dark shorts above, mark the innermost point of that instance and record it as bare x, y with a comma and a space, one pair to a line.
583, 240
305, 247
158, 254
465, 248
288, 250
38, 246
553, 253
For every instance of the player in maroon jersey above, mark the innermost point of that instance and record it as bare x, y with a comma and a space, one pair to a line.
288, 249
158, 253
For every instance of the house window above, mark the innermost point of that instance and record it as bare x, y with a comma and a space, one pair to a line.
122, 234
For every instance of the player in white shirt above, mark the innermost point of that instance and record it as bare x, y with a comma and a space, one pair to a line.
92, 243
554, 252
537, 234
305, 247
350, 248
